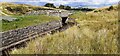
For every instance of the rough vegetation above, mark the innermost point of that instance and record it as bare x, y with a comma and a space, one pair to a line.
49, 5
106, 9
24, 21
96, 33
65, 7
19, 9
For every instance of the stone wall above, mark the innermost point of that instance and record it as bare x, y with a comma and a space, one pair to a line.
12, 36
49, 12
8, 18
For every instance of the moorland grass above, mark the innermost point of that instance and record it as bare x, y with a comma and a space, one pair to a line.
96, 33
27, 20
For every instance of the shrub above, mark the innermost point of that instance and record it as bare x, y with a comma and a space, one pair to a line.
61, 6
9, 9
67, 7
49, 5
110, 8
95, 11
3, 20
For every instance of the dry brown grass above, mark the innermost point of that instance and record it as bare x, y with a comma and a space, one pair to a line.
96, 33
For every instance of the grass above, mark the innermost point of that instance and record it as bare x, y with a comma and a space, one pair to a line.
83, 40
23, 21
19, 9
98, 16
0, 26
96, 33
10, 8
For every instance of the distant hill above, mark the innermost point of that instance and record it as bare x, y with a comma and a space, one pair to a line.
19, 9
105, 9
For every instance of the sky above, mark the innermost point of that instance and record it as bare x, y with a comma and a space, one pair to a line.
66, 2
86, 1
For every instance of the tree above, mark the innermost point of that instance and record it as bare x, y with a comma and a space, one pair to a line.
61, 6
67, 7
110, 8
49, 5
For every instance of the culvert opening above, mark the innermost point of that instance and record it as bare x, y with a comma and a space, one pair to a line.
64, 19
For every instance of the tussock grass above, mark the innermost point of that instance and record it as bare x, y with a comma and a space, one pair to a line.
83, 40
96, 33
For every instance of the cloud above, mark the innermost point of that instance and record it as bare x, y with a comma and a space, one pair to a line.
58, 3
64, 2
94, 2
98, 2
114, 0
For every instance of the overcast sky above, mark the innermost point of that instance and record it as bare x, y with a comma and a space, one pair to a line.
88, 1
95, 2
63, 2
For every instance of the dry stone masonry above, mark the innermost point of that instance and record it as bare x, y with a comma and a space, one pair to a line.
7, 18
49, 12
12, 36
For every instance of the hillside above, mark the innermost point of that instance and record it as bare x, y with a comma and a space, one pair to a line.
23, 15
106, 9
95, 33
19, 9
25, 21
